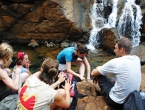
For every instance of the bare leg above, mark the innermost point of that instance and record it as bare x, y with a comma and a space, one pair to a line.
81, 66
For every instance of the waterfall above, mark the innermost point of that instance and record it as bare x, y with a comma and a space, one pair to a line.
130, 21
112, 18
127, 20
99, 22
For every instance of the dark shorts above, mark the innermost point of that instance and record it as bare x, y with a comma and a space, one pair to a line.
106, 85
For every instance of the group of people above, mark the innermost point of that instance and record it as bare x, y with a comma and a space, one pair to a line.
38, 89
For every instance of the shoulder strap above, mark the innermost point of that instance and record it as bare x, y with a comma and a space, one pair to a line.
69, 76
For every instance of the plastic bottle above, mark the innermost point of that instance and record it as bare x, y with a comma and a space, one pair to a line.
72, 90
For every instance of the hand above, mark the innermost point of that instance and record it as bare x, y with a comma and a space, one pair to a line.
95, 80
61, 77
89, 80
67, 85
82, 78
28, 64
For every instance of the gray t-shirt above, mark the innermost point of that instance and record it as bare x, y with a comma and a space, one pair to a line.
127, 70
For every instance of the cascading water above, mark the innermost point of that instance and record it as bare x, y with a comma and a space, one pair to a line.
128, 17
130, 21
97, 23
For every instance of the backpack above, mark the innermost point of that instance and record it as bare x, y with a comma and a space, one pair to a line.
9, 102
77, 94
135, 101
75, 97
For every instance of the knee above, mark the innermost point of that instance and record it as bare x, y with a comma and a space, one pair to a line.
82, 64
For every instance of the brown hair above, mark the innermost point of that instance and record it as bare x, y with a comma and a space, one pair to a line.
6, 53
50, 69
125, 43
81, 48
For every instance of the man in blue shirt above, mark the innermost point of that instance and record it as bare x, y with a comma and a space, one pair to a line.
76, 56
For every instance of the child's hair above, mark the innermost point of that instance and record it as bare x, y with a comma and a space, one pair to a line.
49, 70
6, 53
81, 48
19, 57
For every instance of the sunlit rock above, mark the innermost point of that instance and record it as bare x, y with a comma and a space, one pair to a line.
51, 44
33, 43
64, 44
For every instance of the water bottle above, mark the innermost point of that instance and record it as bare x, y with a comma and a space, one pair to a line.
72, 90
142, 94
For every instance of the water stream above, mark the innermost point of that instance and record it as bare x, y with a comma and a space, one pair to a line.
130, 21
128, 25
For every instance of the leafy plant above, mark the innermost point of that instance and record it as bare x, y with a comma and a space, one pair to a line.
143, 34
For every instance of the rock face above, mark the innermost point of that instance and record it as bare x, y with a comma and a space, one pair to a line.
44, 20
93, 100
107, 39
54, 20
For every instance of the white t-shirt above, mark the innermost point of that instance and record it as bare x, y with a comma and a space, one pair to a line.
35, 95
127, 70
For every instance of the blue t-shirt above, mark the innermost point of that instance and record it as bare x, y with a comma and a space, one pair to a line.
66, 54
22, 69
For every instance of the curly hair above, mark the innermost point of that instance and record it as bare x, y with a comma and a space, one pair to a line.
50, 70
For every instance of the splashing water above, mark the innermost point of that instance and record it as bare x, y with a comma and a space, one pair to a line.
129, 22
99, 22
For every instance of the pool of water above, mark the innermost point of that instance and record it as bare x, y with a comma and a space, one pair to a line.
38, 54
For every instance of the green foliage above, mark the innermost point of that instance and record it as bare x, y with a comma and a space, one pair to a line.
143, 34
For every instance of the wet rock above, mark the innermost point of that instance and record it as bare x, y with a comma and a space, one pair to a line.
33, 43
92, 101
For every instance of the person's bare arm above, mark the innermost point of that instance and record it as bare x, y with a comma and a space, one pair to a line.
14, 85
88, 67
28, 71
69, 70
94, 74
61, 78
60, 100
